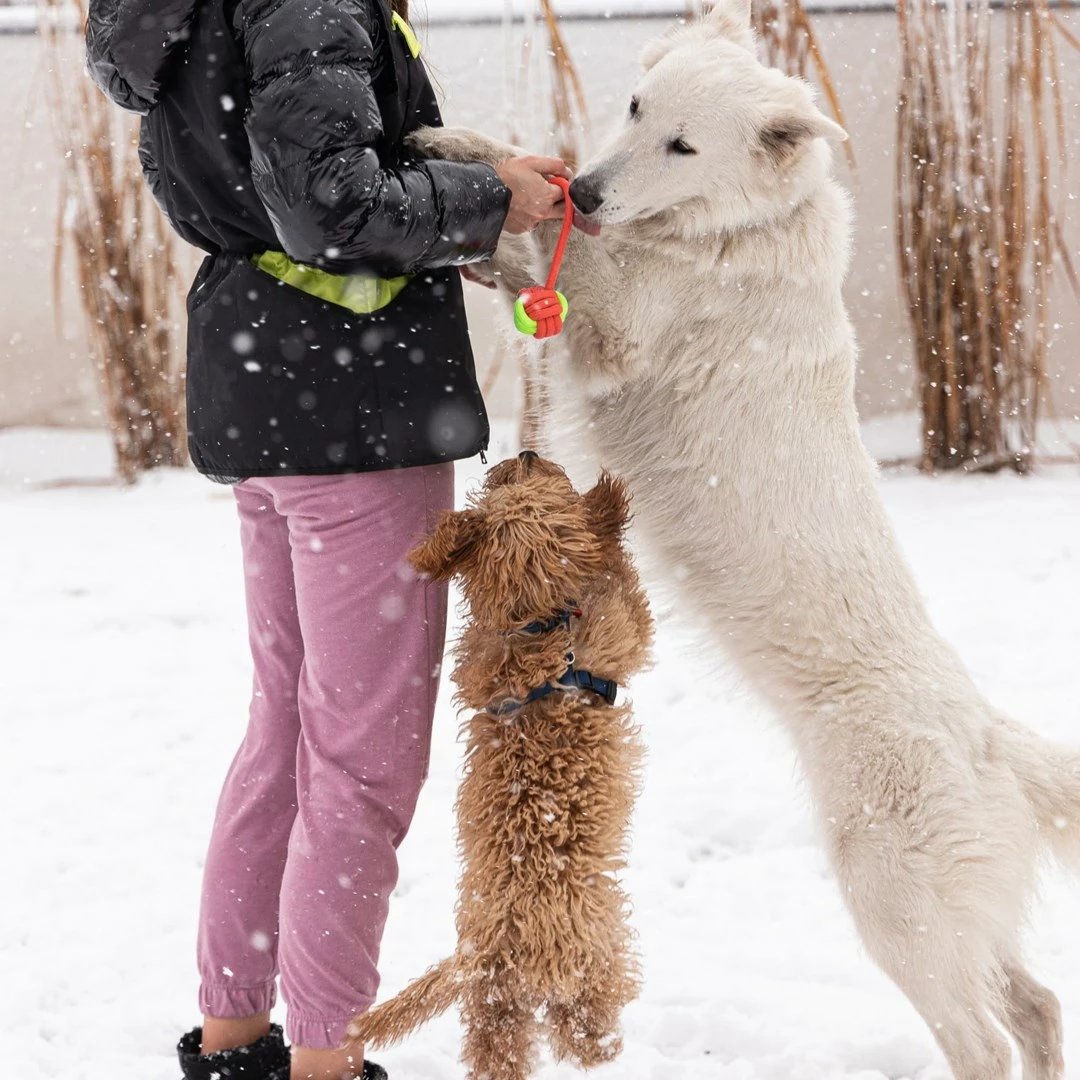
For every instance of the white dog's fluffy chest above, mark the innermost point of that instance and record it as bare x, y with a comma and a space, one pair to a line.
728, 409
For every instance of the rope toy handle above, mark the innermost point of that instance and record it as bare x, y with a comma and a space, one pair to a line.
540, 309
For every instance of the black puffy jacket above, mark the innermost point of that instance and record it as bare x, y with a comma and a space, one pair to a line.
326, 326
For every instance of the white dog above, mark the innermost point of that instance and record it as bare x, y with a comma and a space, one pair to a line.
708, 360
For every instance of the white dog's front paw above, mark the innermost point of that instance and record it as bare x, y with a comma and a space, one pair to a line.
459, 144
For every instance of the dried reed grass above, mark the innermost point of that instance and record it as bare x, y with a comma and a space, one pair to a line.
123, 253
569, 110
978, 231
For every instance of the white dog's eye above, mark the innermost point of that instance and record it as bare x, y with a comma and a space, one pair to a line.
633, 106
681, 146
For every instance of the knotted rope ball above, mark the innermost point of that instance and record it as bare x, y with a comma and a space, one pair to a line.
539, 310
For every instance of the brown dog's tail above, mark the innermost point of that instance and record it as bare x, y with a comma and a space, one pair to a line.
429, 996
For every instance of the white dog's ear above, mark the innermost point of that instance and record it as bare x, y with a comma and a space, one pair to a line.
785, 134
728, 19
655, 51
731, 19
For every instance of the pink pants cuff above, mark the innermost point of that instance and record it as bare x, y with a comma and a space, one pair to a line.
319, 1032
228, 1002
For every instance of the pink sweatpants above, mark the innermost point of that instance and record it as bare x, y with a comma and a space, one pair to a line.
347, 644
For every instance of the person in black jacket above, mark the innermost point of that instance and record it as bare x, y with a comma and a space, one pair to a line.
330, 378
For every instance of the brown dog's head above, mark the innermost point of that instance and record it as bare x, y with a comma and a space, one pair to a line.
528, 542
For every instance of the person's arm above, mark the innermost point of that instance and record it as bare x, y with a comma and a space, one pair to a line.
312, 122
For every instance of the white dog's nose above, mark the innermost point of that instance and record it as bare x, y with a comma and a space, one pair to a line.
585, 196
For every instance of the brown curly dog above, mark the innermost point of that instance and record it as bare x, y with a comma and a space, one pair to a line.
557, 617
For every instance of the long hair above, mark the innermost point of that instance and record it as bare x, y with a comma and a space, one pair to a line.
400, 7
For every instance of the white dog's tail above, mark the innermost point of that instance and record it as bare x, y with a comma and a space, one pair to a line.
1050, 777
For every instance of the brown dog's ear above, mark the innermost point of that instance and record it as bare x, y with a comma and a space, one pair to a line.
451, 542
608, 507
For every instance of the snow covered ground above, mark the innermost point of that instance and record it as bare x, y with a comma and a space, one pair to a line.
123, 683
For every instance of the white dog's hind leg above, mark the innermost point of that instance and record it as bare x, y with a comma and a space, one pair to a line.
973, 1046
941, 956
957, 1009
1032, 1015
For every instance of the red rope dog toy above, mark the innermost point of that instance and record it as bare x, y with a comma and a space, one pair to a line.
540, 309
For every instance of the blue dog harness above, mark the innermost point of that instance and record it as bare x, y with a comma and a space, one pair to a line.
571, 679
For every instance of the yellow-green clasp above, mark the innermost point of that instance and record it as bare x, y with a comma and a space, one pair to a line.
356, 292
525, 323
406, 32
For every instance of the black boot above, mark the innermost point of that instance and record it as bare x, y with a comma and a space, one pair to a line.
371, 1072
267, 1059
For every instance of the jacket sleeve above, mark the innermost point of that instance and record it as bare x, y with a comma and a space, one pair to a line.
129, 44
313, 122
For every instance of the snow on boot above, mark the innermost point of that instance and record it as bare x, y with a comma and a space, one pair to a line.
266, 1059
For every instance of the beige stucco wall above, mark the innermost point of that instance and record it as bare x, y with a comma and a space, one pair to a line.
45, 376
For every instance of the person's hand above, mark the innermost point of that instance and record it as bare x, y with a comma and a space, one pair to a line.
532, 198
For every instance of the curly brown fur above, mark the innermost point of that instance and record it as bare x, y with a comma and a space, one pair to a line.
544, 808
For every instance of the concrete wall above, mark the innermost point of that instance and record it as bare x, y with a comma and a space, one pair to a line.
45, 376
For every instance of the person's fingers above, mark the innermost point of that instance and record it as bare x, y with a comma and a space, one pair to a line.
551, 166
533, 197
548, 195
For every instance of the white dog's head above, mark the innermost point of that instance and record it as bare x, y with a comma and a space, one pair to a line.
712, 139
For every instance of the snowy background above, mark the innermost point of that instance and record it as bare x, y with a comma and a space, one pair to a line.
124, 678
